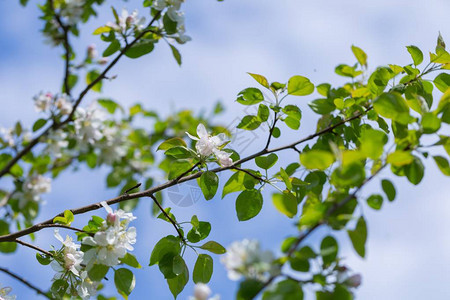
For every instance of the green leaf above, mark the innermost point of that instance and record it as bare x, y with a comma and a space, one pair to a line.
300, 260
199, 232
375, 201
266, 162
388, 189
316, 159
392, 106
430, 123
285, 203
263, 112
248, 289
209, 182
98, 272
400, 158
249, 122
43, 259
102, 29
169, 265
416, 54
285, 290
213, 247
124, 280
339, 293
39, 124
329, 250
177, 284
139, 49
358, 236
250, 96
238, 182
112, 48
68, 215
110, 105
360, 55
415, 171
372, 143
166, 245
322, 106
248, 204
59, 287
180, 152
300, 86
176, 54
169, 25
170, 143
443, 164
442, 82
203, 269
260, 79
90, 77
347, 71
131, 260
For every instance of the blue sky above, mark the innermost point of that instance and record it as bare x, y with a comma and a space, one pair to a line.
408, 254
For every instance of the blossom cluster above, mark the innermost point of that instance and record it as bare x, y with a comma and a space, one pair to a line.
246, 259
47, 102
32, 188
72, 11
112, 241
109, 244
90, 130
208, 145
174, 13
127, 21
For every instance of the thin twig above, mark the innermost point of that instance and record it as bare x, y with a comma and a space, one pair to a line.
62, 226
32, 247
132, 188
28, 284
187, 172
175, 225
55, 126
67, 47
249, 173
152, 190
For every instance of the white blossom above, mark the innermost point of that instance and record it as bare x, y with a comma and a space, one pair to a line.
72, 257
223, 158
43, 101
56, 142
7, 136
112, 146
4, 291
87, 288
64, 104
112, 241
127, 20
32, 189
161, 4
245, 258
202, 292
89, 124
72, 10
207, 144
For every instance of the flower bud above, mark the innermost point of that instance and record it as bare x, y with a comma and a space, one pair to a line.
354, 280
111, 218
92, 51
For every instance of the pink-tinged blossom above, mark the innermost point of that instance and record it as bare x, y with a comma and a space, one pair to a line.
112, 241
